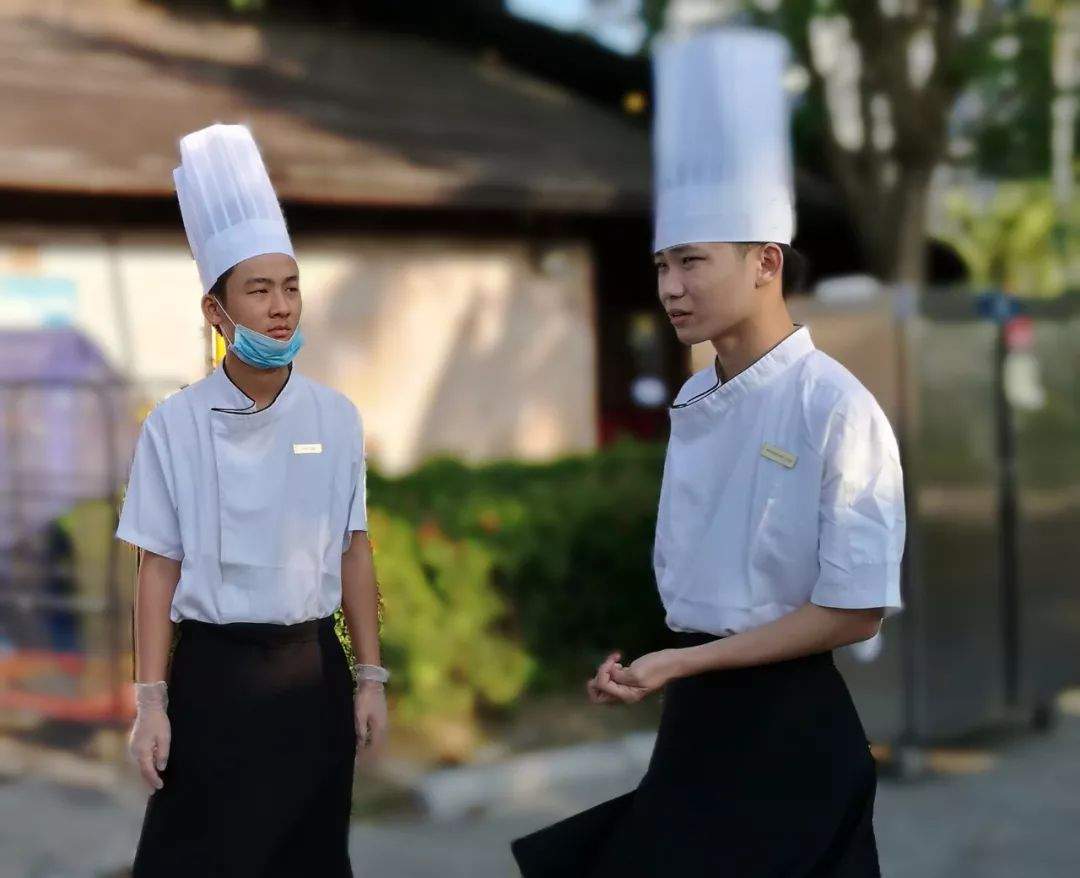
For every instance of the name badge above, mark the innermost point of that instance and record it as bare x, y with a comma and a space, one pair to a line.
310, 448
778, 455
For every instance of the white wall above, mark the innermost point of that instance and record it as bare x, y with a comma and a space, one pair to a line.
478, 349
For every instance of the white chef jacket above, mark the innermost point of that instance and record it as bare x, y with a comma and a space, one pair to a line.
258, 506
782, 487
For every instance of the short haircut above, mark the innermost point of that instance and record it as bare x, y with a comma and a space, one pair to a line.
793, 276
218, 289
218, 292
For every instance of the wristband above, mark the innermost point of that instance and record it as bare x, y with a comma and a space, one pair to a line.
152, 695
374, 673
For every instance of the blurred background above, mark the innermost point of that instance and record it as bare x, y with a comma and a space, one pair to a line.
468, 189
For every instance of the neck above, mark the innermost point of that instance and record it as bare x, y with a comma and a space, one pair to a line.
747, 342
260, 385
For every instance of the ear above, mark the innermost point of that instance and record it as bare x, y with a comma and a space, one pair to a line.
213, 314
770, 264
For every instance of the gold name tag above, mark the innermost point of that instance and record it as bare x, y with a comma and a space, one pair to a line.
778, 455
310, 448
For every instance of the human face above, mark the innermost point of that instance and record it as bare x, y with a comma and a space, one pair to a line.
263, 294
707, 289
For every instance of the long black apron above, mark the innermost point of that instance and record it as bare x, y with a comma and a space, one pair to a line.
760, 772
259, 778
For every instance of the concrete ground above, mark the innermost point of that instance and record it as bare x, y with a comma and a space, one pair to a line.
1009, 808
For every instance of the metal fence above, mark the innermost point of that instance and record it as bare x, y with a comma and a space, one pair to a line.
984, 393
65, 584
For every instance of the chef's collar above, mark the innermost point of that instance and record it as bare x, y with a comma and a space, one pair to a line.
722, 395
228, 399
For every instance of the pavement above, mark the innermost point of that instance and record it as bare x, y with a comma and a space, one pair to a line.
1008, 807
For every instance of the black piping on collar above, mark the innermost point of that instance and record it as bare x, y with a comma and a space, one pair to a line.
251, 410
718, 369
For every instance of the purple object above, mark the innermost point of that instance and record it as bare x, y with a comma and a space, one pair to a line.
44, 355
64, 434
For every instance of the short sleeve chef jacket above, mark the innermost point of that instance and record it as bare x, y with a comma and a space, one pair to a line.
782, 486
258, 506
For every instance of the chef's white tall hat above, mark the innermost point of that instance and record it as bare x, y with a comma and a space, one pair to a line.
230, 210
721, 139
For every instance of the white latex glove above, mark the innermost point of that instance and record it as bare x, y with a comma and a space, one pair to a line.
369, 710
151, 734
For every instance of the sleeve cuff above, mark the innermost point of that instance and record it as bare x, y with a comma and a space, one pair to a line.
862, 588
347, 539
149, 543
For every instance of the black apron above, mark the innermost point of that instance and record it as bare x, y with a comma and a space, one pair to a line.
259, 777
761, 772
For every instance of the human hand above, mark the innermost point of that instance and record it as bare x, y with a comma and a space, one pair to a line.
151, 734
369, 711
643, 677
595, 687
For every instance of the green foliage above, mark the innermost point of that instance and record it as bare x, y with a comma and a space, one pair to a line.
444, 635
1014, 88
1003, 66
570, 544
444, 626
1014, 239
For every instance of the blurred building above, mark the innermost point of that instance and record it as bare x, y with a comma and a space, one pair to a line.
450, 213
469, 197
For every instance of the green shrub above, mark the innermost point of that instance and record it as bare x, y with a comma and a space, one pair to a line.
569, 544
508, 575
443, 630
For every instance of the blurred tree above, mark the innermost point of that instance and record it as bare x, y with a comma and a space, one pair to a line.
893, 87
1005, 237
881, 104
1004, 117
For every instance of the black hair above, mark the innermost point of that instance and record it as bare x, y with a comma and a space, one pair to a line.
794, 274
218, 291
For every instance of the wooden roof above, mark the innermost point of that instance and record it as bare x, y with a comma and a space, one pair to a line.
97, 94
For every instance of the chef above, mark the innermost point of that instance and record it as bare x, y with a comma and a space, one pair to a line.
247, 500
780, 527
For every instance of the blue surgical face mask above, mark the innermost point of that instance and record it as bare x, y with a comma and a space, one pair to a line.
262, 351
